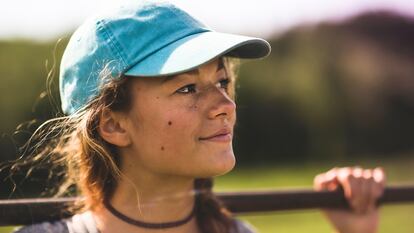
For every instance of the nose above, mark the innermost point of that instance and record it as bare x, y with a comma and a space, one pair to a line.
221, 105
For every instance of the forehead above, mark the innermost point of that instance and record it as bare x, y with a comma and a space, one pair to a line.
216, 65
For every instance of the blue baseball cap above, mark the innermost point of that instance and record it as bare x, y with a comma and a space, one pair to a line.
146, 39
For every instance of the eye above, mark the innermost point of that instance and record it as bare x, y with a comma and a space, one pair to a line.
191, 88
224, 83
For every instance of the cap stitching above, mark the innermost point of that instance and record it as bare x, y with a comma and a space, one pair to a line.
113, 43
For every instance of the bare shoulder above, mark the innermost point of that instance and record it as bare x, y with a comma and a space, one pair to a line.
49, 227
243, 226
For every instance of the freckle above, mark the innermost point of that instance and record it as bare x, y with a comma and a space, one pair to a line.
157, 97
169, 123
162, 148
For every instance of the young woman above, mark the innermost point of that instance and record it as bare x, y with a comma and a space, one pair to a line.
149, 97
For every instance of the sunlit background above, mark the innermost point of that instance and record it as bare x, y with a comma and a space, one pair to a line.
337, 90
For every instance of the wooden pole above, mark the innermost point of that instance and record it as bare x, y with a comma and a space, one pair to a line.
30, 211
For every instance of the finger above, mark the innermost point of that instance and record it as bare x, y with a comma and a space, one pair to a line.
344, 181
376, 193
379, 178
349, 179
326, 181
359, 190
368, 191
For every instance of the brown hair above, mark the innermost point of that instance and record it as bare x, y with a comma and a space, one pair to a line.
91, 167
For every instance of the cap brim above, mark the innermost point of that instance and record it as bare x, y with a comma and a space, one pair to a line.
194, 50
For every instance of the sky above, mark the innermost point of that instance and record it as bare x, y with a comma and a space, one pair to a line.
49, 19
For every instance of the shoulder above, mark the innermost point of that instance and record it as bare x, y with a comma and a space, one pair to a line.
243, 226
78, 223
44, 227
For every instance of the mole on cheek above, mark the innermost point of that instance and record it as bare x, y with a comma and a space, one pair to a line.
169, 123
193, 107
162, 148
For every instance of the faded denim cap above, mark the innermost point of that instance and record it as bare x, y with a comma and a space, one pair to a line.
142, 38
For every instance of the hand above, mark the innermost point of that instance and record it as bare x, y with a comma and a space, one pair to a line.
362, 188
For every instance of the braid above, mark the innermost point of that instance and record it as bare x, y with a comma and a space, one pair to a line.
212, 216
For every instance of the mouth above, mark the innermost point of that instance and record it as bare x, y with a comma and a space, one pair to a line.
223, 135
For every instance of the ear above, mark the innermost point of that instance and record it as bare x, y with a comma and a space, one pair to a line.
113, 128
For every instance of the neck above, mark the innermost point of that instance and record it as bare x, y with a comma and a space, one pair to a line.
156, 200
150, 198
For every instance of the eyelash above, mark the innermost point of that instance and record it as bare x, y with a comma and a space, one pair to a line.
192, 87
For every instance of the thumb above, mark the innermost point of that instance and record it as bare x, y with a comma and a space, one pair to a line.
326, 181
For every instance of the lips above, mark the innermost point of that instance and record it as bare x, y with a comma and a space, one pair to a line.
223, 135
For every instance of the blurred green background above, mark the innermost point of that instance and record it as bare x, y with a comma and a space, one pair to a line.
334, 94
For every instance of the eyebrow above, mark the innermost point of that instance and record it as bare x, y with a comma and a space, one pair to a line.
195, 71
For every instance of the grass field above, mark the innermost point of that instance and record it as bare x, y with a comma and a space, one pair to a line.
394, 218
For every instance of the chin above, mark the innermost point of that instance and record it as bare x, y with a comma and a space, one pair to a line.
224, 164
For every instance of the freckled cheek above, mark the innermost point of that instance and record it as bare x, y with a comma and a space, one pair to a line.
179, 126
178, 130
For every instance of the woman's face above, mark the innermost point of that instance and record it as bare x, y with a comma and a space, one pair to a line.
183, 125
